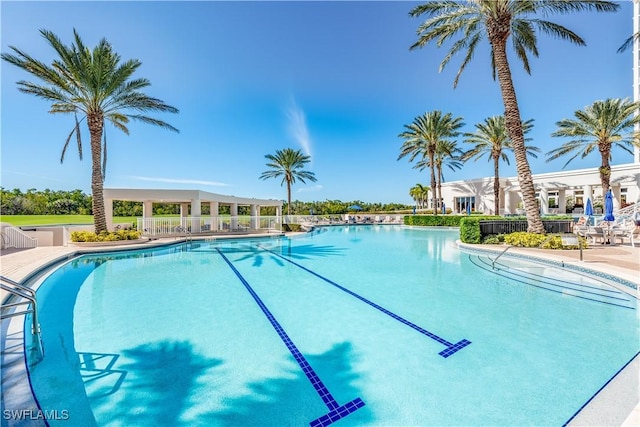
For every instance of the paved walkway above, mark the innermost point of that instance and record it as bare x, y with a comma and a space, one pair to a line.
620, 260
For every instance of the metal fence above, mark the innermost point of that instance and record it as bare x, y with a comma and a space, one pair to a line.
505, 227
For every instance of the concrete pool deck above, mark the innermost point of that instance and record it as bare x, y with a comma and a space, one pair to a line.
617, 404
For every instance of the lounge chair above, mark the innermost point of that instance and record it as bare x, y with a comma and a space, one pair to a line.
596, 234
632, 233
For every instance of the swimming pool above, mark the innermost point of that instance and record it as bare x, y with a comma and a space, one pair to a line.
357, 325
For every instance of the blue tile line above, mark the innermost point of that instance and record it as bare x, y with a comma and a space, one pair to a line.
451, 348
553, 290
336, 411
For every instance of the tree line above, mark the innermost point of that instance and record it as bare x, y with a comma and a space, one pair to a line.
76, 202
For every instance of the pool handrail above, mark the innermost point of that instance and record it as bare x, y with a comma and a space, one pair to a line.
16, 289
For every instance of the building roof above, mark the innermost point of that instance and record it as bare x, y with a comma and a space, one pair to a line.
181, 196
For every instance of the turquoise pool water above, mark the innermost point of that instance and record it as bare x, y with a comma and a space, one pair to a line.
357, 325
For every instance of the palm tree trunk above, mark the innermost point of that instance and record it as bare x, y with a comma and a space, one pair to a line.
605, 167
439, 186
288, 197
513, 123
433, 182
496, 185
96, 123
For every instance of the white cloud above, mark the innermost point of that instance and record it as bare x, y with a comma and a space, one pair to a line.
316, 187
181, 181
297, 127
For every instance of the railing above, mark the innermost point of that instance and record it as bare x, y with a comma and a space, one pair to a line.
349, 218
179, 226
29, 298
13, 237
625, 214
488, 228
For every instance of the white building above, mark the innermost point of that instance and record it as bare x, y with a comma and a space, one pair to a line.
552, 189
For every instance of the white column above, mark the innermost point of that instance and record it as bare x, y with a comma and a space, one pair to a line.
562, 201
255, 214
108, 213
147, 214
615, 189
213, 208
587, 193
507, 202
544, 200
233, 207
196, 211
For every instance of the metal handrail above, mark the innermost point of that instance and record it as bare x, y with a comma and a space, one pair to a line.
28, 294
493, 261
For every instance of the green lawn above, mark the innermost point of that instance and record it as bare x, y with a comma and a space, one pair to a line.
35, 220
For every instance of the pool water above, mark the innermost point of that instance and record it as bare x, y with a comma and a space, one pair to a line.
353, 325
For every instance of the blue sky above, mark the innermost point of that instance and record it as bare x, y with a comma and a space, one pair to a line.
335, 79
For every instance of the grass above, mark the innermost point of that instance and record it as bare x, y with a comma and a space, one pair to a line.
40, 220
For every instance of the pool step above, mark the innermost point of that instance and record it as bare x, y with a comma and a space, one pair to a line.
564, 282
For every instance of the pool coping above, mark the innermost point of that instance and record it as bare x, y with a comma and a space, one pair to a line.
604, 408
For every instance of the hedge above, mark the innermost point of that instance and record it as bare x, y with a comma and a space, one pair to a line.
433, 220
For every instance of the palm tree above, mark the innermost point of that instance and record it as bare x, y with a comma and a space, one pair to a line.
600, 126
423, 136
288, 164
447, 154
96, 85
491, 139
499, 21
420, 194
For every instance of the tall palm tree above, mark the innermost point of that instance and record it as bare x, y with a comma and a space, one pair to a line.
288, 164
422, 137
600, 126
420, 194
499, 21
97, 86
447, 154
491, 138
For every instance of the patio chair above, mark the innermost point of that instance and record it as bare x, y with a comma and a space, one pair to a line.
596, 234
632, 233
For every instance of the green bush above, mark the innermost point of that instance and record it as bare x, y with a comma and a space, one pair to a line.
494, 239
291, 227
105, 236
542, 241
433, 220
470, 228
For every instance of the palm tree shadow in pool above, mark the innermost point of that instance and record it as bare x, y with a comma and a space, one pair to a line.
161, 379
291, 399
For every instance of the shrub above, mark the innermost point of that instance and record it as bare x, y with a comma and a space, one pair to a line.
291, 227
105, 236
542, 241
433, 220
494, 239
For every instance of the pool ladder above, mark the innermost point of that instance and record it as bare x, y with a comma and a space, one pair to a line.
28, 296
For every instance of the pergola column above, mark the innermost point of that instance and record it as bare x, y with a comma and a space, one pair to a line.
562, 200
214, 209
255, 216
233, 208
108, 213
615, 189
587, 193
196, 211
147, 213
507, 201
544, 200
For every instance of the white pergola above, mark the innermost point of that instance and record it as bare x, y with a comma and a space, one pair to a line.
189, 201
